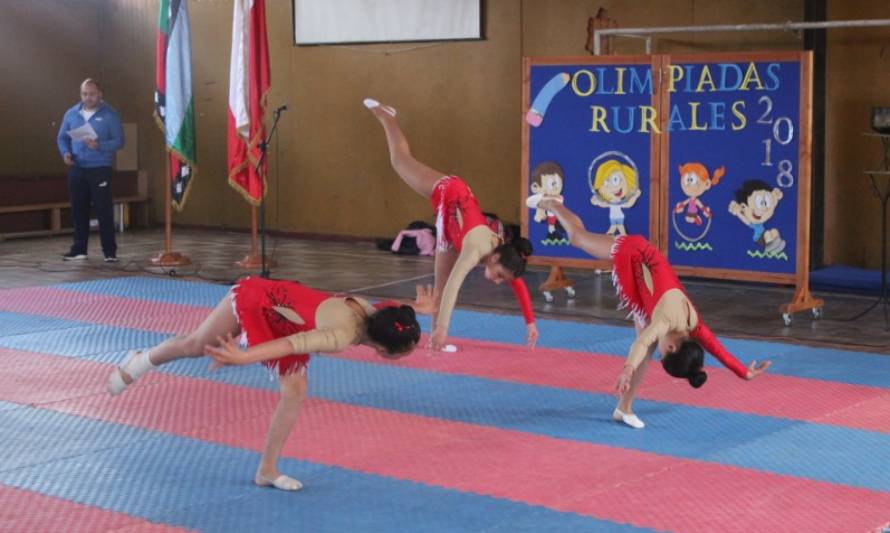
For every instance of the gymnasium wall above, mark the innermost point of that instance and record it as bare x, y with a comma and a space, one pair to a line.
458, 103
49, 47
858, 78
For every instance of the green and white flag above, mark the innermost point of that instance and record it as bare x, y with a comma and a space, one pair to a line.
174, 103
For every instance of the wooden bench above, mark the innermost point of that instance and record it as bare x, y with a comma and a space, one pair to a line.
133, 193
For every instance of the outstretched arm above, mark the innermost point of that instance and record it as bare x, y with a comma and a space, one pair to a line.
229, 352
322, 340
704, 336
639, 350
520, 289
468, 258
445, 260
645, 340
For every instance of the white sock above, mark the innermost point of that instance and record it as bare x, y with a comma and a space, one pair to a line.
142, 363
137, 364
370, 103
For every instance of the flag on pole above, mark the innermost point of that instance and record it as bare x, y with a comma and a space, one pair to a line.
174, 103
249, 82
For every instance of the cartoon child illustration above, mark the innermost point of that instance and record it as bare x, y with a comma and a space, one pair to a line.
547, 180
694, 181
615, 187
755, 203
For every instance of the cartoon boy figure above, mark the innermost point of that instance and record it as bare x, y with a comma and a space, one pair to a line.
615, 187
755, 203
694, 181
547, 180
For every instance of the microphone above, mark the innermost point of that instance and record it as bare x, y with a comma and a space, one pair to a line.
282, 107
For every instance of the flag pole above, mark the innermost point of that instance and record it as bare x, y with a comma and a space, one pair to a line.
169, 258
252, 260
249, 72
265, 263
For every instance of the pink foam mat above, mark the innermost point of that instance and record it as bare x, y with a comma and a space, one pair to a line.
108, 310
790, 397
628, 486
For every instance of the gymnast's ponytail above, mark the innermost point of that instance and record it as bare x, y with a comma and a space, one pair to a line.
514, 255
395, 328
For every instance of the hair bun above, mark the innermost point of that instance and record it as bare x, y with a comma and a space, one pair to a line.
698, 379
523, 246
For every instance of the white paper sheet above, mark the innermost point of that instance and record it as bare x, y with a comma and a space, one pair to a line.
83, 133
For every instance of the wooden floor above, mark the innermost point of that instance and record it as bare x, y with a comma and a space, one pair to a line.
731, 309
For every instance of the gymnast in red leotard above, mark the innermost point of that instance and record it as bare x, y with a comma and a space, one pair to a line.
281, 323
664, 316
464, 239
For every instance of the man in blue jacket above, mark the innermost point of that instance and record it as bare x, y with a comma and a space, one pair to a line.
89, 163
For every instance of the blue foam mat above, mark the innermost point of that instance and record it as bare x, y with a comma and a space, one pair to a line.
22, 324
826, 453
560, 413
153, 289
843, 366
188, 483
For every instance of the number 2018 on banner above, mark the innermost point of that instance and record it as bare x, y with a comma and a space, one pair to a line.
782, 133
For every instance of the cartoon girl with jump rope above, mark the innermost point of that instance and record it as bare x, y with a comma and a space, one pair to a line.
695, 181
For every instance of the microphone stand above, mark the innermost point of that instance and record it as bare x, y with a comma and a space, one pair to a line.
264, 149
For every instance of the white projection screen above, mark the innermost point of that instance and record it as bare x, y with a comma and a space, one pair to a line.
375, 21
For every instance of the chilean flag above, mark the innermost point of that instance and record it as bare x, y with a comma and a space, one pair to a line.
249, 82
174, 103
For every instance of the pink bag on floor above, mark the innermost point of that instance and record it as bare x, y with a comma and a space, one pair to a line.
426, 242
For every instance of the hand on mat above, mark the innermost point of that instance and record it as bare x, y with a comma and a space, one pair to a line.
755, 370
532, 338
227, 353
623, 383
423, 303
437, 340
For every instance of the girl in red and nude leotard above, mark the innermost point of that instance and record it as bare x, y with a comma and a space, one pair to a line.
464, 238
282, 322
664, 316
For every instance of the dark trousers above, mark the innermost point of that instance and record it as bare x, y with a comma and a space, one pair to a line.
91, 187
